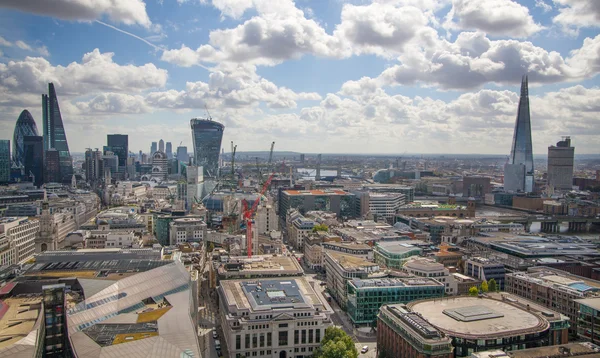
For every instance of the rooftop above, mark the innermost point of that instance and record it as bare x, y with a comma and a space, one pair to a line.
479, 318
394, 282
350, 262
399, 247
549, 277
261, 264
18, 318
415, 322
316, 192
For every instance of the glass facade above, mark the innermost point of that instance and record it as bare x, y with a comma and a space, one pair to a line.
206, 137
521, 151
4, 161
54, 131
25, 127
33, 159
119, 144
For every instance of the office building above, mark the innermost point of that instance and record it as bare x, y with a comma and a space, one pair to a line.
25, 127
476, 186
259, 266
518, 172
394, 254
169, 150
182, 154
187, 229
5, 161
55, 136
483, 323
385, 205
580, 350
94, 166
425, 267
119, 145
342, 268
278, 318
52, 172
554, 289
20, 232
365, 296
401, 333
206, 136
153, 148
589, 319
161, 145
485, 269
337, 201
33, 161
266, 219
560, 165
299, 228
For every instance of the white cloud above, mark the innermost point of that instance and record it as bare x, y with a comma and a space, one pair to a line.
42, 50
23, 46
586, 60
95, 73
576, 14
128, 12
541, 4
109, 103
4, 42
495, 17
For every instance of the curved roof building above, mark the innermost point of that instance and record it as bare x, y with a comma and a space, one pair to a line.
206, 136
25, 127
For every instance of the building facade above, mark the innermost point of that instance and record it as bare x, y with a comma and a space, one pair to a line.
119, 145
339, 202
394, 254
25, 127
206, 137
33, 160
486, 269
187, 229
55, 136
5, 161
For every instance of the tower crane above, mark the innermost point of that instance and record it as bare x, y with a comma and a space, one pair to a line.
271, 155
249, 213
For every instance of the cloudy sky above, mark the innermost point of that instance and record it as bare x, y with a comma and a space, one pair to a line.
330, 76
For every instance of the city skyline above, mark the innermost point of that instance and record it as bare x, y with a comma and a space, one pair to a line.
352, 76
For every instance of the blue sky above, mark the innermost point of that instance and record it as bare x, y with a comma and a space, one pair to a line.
362, 76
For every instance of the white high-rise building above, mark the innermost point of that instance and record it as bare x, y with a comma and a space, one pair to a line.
20, 233
266, 219
560, 165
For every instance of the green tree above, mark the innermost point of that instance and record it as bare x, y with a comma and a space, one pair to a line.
492, 285
484, 286
320, 227
336, 344
473, 291
211, 247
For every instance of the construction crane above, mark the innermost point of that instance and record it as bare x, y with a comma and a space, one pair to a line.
258, 173
249, 213
233, 162
271, 155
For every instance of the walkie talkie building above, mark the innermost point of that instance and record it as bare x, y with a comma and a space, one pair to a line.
206, 136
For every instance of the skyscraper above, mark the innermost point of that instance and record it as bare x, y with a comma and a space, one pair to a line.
54, 131
161, 145
182, 154
52, 166
25, 127
33, 160
94, 166
560, 165
169, 150
119, 145
4, 160
153, 148
206, 136
518, 172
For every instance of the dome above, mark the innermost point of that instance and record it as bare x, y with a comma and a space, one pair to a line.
25, 127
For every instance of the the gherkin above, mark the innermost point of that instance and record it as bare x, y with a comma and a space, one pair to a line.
25, 127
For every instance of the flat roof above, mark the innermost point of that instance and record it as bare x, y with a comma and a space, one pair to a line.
397, 247
394, 282
316, 192
494, 318
349, 261
593, 303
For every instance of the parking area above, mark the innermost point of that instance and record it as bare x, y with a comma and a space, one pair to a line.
371, 353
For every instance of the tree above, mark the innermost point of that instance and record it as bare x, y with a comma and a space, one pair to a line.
493, 286
211, 247
473, 291
320, 227
484, 286
336, 344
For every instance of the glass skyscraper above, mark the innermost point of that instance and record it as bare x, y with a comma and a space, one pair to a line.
206, 136
119, 144
518, 172
4, 160
153, 148
34, 159
54, 131
25, 127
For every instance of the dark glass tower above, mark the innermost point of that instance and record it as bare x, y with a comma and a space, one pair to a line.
119, 144
518, 174
4, 160
34, 159
54, 131
169, 150
206, 136
25, 127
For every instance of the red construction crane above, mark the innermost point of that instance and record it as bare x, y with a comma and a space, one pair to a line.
249, 213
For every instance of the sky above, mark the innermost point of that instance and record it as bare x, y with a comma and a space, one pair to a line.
315, 76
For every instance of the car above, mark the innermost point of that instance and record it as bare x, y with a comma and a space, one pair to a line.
214, 333
323, 283
364, 349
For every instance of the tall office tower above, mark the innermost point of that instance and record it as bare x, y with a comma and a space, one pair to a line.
111, 162
169, 150
153, 148
54, 131
206, 136
94, 166
182, 154
140, 155
4, 160
34, 159
52, 172
518, 172
560, 165
119, 144
161, 145
25, 127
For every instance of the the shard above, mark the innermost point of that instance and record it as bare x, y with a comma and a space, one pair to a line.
25, 127
518, 172
54, 131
